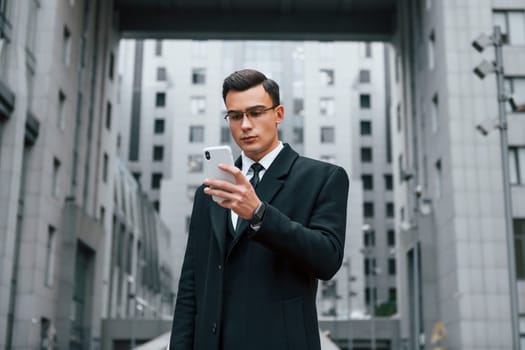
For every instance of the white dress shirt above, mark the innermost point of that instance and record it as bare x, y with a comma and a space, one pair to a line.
247, 171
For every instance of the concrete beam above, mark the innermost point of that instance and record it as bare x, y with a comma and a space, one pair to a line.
368, 26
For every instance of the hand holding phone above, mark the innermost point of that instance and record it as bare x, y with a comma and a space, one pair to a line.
213, 156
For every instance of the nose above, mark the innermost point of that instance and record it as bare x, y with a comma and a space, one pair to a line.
246, 122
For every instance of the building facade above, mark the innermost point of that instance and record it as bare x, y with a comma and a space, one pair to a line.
452, 247
61, 208
327, 90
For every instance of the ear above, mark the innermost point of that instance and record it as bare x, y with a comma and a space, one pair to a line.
279, 113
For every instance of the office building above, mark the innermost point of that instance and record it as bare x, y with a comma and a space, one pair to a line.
69, 223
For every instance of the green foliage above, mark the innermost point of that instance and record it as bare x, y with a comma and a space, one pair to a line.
386, 309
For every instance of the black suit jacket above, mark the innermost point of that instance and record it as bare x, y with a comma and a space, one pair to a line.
259, 291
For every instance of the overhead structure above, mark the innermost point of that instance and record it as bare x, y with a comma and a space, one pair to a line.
362, 20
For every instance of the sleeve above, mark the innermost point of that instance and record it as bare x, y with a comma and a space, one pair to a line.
185, 307
183, 326
318, 247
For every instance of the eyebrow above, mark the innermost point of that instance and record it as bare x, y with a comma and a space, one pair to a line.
247, 109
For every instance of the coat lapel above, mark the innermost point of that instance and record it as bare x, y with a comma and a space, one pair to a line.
271, 183
219, 217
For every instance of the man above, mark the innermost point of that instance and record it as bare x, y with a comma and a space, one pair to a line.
252, 263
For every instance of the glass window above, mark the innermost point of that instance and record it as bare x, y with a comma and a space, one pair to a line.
108, 115
225, 134
45, 330
196, 133
66, 46
61, 108
56, 178
438, 179
369, 295
158, 48
327, 134
158, 153
105, 167
111, 68
195, 163
327, 106
31, 25
392, 294
198, 76
368, 209
392, 266
137, 175
161, 74
298, 106
365, 101
431, 50
159, 126
519, 246
102, 215
160, 99
512, 25
389, 207
369, 238
365, 127
398, 117
368, 182
389, 182
370, 266
391, 238
298, 135
198, 104
364, 76
155, 180
129, 254
517, 165
515, 87
366, 154
434, 113
50, 257
326, 77
368, 50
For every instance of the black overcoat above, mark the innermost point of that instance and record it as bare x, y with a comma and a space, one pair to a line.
258, 292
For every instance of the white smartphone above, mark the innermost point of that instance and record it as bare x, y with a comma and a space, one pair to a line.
213, 156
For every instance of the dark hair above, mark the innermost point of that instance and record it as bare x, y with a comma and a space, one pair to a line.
247, 78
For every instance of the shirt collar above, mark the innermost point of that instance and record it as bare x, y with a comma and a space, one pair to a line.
265, 161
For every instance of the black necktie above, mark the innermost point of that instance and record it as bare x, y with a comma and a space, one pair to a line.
256, 167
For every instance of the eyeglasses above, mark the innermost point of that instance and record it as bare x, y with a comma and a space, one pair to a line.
252, 113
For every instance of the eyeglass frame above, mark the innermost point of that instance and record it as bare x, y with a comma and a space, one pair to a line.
247, 111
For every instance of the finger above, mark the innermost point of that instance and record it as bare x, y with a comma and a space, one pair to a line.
236, 172
219, 192
224, 185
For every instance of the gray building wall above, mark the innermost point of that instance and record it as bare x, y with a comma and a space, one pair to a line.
58, 155
50, 158
296, 66
456, 218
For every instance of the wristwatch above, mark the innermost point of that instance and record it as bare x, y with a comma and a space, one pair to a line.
258, 214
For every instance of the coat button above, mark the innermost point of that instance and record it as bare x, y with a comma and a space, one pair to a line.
220, 267
214, 328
